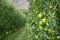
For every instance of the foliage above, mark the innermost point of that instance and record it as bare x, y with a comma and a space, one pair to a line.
10, 19
42, 20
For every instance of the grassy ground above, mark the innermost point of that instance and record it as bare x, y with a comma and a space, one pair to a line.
19, 35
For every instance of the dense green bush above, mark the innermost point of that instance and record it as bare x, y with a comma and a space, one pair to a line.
10, 19
43, 20
58, 18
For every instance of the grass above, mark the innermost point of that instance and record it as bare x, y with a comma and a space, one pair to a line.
18, 35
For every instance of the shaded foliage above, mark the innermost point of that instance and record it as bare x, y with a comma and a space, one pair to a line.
10, 19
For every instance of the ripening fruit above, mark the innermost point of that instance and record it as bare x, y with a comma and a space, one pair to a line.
6, 33
40, 15
58, 37
50, 7
36, 37
46, 29
34, 0
36, 11
37, 30
40, 28
52, 38
29, 37
50, 31
40, 23
33, 3
44, 20
53, 31
30, 17
49, 38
